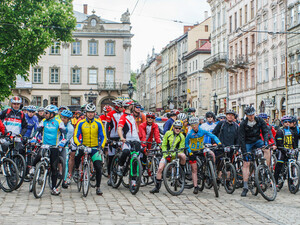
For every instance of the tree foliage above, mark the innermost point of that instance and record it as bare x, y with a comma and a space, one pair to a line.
27, 28
133, 79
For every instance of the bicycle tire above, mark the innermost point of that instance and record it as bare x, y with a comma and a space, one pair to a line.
116, 180
175, 182
60, 176
213, 178
294, 188
104, 165
93, 180
21, 164
200, 174
10, 177
41, 167
79, 181
261, 173
135, 162
228, 167
154, 169
251, 181
29, 159
86, 180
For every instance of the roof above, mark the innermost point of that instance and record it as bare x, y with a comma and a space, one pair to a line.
206, 46
81, 17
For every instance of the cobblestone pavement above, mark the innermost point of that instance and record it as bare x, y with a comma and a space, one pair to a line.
120, 207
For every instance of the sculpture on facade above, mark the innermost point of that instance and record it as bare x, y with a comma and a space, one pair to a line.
125, 17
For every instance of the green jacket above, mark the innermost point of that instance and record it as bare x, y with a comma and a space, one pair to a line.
170, 144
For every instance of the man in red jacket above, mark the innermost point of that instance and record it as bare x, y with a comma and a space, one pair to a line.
149, 129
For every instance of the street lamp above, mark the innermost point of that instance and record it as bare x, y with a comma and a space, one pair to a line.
215, 103
130, 89
90, 96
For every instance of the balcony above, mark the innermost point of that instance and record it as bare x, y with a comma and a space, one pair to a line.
21, 84
110, 86
240, 62
215, 62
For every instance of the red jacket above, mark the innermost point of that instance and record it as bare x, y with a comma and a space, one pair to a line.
271, 134
2, 128
153, 133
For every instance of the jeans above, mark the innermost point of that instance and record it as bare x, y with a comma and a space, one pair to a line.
250, 147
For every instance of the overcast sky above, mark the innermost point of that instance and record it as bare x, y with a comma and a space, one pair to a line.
151, 21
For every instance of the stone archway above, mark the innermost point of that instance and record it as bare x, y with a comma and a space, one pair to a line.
282, 107
25, 101
105, 101
262, 107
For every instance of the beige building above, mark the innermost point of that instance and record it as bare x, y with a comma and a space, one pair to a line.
173, 89
159, 106
95, 67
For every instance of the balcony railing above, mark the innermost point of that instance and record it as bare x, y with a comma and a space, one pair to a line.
218, 60
240, 61
109, 86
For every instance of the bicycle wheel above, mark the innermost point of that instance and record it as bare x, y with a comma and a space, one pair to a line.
29, 159
200, 174
265, 182
238, 165
293, 178
213, 177
154, 169
104, 165
174, 179
9, 178
229, 178
86, 180
39, 179
61, 168
251, 181
93, 175
21, 164
273, 163
79, 181
115, 178
135, 174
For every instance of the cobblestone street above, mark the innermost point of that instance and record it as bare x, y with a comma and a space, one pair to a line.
120, 207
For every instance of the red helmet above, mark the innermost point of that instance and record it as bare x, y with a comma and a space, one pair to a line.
107, 108
150, 115
16, 99
127, 103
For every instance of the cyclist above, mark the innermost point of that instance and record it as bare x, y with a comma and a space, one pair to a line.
194, 143
201, 120
103, 117
209, 126
41, 114
172, 117
173, 139
271, 130
93, 136
192, 112
51, 129
249, 134
284, 138
32, 121
60, 109
220, 117
149, 130
66, 116
295, 130
76, 117
112, 121
138, 115
24, 109
184, 120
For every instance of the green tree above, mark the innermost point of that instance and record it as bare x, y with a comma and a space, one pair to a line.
27, 28
133, 79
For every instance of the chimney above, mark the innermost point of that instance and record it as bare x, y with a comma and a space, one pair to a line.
205, 15
85, 9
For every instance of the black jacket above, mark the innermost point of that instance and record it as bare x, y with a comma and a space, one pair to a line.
279, 138
14, 121
296, 135
249, 135
227, 133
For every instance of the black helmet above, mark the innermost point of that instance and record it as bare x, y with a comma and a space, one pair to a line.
249, 110
191, 110
230, 111
293, 119
210, 114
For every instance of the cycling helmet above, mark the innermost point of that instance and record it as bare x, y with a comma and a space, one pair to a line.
107, 108
78, 112
118, 103
263, 115
150, 115
181, 116
24, 108
177, 123
293, 119
191, 110
286, 118
249, 110
210, 114
62, 107
90, 107
230, 111
201, 118
127, 103
67, 113
193, 120
16, 99
136, 104
83, 107
31, 108
41, 109
51, 109
221, 115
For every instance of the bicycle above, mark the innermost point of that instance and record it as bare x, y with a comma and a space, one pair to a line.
237, 161
290, 171
173, 174
30, 154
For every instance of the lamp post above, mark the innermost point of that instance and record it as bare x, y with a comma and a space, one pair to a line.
215, 103
130, 89
90, 96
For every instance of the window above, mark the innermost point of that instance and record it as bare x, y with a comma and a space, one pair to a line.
75, 76
235, 21
259, 4
219, 18
252, 9
230, 24
282, 65
259, 78
241, 81
266, 28
246, 13
298, 13
54, 101
274, 67
37, 75
93, 48
93, 22
246, 80
224, 15
231, 52
252, 43
231, 84
55, 48
109, 76
214, 22
282, 21
196, 64
235, 82
110, 48
259, 34
246, 46
92, 76
193, 65
298, 62
241, 48
266, 66
75, 101
37, 100
252, 78
206, 28
76, 49
275, 22
54, 75
241, 17
292, 62
291, 17
236, 50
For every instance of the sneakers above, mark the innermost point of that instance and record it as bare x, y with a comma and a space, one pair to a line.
55, 191
244, 193
196, 189
109, 182
154, 190
98, 191
65, 185
68, 180
32, 170
133, 183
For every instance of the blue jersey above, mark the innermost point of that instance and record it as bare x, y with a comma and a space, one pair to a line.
208, 127
168, 125
32, 124
69, 130
52, 130
194, 141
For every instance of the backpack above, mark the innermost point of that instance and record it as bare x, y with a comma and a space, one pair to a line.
223, 124
9, 111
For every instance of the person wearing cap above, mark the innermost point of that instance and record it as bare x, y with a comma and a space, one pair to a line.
41, 114
192, 111
170, 121
209, 126
138, 115
220, 117
32, 121
295, 130
250, 139
103, 117
76, 117
271, 130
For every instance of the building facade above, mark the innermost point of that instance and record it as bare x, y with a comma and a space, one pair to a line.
173, 63
95, 67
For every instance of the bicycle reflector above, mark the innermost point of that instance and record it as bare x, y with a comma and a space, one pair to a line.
168, 158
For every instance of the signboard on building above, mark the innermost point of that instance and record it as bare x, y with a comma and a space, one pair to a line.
268, 102
122, 98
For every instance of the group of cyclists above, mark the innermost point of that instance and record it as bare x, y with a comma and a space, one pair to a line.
124, 122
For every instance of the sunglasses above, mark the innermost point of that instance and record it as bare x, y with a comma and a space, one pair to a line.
286, 121
47, 113
177, 128
150, 117
138, 107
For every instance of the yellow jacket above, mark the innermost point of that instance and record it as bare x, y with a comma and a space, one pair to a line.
90, 133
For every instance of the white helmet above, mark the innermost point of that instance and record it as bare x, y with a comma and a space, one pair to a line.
90, 107
193, 120
181, 116
177, 123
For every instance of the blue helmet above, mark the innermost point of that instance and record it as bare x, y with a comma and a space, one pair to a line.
263, 115
51, 109
67, 113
